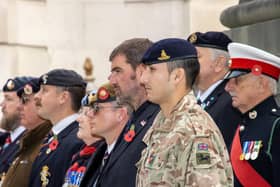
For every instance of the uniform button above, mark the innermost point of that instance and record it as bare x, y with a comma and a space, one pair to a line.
273, 110
242, 128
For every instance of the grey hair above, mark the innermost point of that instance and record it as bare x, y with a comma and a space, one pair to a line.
272, 83
217, 52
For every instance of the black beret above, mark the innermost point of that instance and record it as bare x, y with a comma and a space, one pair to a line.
63, 78
212, 39
169, 50
30, 87
16, 83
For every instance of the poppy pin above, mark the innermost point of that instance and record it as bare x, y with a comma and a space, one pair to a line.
256, 70
128, 137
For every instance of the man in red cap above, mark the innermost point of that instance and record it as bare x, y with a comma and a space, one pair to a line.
255, 155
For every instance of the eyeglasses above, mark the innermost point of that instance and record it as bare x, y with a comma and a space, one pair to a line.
90, 111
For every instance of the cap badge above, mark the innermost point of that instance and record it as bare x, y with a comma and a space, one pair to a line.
44, 176
253, 114
256, 70
103, 93
193, 38
10, 85
163, 55
91, 98
28, 89
45, 79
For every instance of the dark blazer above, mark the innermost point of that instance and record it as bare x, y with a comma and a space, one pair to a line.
219, 105
120, 169
54, 165
8, 155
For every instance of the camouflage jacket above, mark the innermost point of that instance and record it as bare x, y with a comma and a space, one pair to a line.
185, 149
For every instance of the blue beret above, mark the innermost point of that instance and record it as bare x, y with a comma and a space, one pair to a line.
16, 83
169, 50
63, 78
217, 40
30, 87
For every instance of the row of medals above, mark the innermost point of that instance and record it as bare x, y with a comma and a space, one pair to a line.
251, 150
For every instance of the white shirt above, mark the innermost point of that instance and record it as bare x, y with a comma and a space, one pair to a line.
203, 95
64, 123
16, 133
111, 147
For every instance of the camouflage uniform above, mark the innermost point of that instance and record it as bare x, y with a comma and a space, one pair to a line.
185, 149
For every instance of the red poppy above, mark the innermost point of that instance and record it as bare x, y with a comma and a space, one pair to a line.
87, 150
74, 167
81, 169
257, 70
103, 93
128, 137
53, 145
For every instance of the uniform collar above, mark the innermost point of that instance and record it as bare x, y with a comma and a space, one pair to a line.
17, 132
266, 106
62, 124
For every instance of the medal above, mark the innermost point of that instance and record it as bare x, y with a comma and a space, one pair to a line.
249, 150
256, 150
245, 145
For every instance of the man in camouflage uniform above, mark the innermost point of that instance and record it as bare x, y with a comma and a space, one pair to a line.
184, 145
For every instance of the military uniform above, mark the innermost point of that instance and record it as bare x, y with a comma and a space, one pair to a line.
185, 149
54, 158
8, 154
78, 168
218, 105
18, 173
260, 127
120, 170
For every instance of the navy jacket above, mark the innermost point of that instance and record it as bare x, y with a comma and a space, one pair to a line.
53, 165
120, 169
219, 106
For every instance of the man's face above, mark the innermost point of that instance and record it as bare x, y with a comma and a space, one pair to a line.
28, 112
105, 120
10, 109
156, 81
123, 78
206, 67
243, 90
47, 101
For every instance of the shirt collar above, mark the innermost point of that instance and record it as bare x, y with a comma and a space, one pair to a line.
62, 124
15, 133
111, 147
203, 95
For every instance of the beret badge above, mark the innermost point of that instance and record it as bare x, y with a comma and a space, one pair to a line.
103, 94
45, 79
28, 89
163, 55
10, 84
193, 38
91, 98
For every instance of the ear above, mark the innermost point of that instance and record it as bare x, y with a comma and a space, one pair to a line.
63, 97
139, 70
177, 75
121, 114
220, 64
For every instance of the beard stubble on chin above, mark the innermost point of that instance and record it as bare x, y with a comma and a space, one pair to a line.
10, 123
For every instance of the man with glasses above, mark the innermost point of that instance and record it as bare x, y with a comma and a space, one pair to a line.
255, 153
58, 101
11, 122
30, 143
126, 69
109, 118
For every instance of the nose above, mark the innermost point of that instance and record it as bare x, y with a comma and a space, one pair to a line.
112, 79
143, 77
230, 84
